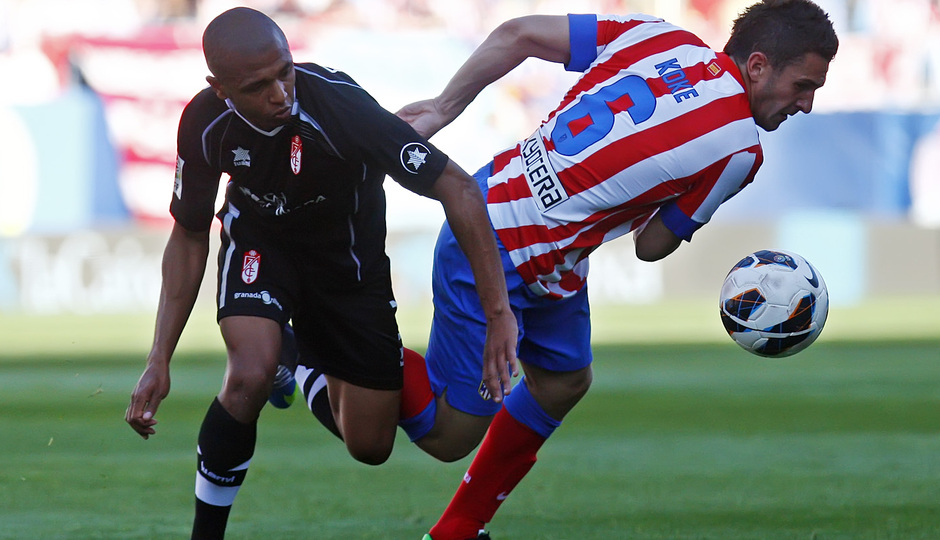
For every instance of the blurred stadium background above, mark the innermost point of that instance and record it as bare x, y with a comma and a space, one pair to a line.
93, 90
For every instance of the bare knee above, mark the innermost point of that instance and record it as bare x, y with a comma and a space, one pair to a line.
367, 419
455, 433
370, 450
245, 390
580, 383
558, 392
446, 450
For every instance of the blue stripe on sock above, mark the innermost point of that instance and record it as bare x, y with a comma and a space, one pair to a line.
420, 424
523, 407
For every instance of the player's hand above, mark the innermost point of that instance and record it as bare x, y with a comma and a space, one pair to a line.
424, 116
153, 386
499, 356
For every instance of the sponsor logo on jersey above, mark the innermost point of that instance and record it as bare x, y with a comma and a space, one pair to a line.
250, 266
242, 157
502, 496
547, 191
413, 156
295, 148
178, 181
264, 296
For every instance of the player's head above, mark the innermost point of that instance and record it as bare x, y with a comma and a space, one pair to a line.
783, 48
251, 65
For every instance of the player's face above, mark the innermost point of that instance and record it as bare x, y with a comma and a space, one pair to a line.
261, 87
777, 94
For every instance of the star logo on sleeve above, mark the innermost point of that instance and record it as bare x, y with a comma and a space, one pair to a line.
242, 157
413, 156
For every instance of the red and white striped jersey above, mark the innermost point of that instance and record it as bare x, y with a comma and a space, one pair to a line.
657, 122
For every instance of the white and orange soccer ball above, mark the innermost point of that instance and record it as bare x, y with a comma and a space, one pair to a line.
774, 303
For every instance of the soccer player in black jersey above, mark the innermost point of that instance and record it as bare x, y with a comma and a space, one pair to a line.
303, 239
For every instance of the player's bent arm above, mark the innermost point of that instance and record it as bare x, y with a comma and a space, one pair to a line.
184, 264
466, 214
533, 36
654, 241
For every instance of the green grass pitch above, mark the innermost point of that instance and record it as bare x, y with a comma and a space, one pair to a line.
678, 439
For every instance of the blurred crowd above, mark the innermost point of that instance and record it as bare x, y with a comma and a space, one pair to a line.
890, 54
142, 60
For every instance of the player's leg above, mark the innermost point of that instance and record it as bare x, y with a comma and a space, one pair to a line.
253, 306
558, 375
455, 422
350, 359
311, 384
366, 418
228, 432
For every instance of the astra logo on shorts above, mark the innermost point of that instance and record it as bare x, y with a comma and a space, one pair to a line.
242, 158
413, 156
250, 266
295, 148
264, 296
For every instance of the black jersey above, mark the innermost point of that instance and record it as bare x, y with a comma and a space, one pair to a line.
315, 183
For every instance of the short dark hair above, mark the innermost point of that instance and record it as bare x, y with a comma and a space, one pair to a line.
784, 30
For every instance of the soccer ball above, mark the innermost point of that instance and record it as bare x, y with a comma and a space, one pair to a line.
774, 303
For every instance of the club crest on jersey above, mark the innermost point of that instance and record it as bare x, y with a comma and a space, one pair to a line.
250, 266
547, 191
242, 158
484, 392
413, 156
295, 149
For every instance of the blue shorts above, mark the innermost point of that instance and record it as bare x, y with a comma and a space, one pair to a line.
553, 334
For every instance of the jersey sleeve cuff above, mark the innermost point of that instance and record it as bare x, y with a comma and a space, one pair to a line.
676, 221
583, 38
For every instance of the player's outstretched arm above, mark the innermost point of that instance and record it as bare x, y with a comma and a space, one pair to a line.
184, 264
466, 214
533, 36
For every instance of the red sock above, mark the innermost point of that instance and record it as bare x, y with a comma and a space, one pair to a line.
417, 394
506, 455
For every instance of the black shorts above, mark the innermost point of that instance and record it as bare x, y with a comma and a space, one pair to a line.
348, 332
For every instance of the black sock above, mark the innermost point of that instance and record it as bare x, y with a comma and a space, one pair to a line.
225, 449
312, 381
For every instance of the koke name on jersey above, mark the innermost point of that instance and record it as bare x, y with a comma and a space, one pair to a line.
676, 80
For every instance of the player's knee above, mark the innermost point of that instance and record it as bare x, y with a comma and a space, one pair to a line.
250, 381
453, 441
370, 453
581, 383
448, 454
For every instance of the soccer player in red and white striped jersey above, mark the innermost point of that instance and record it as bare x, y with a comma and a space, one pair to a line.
657, 133
659, 122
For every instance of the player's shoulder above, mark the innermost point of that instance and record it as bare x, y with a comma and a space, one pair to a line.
204, 107
206, 99
309, 73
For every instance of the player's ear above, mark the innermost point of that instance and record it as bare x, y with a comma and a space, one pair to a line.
757, 65
216, 85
